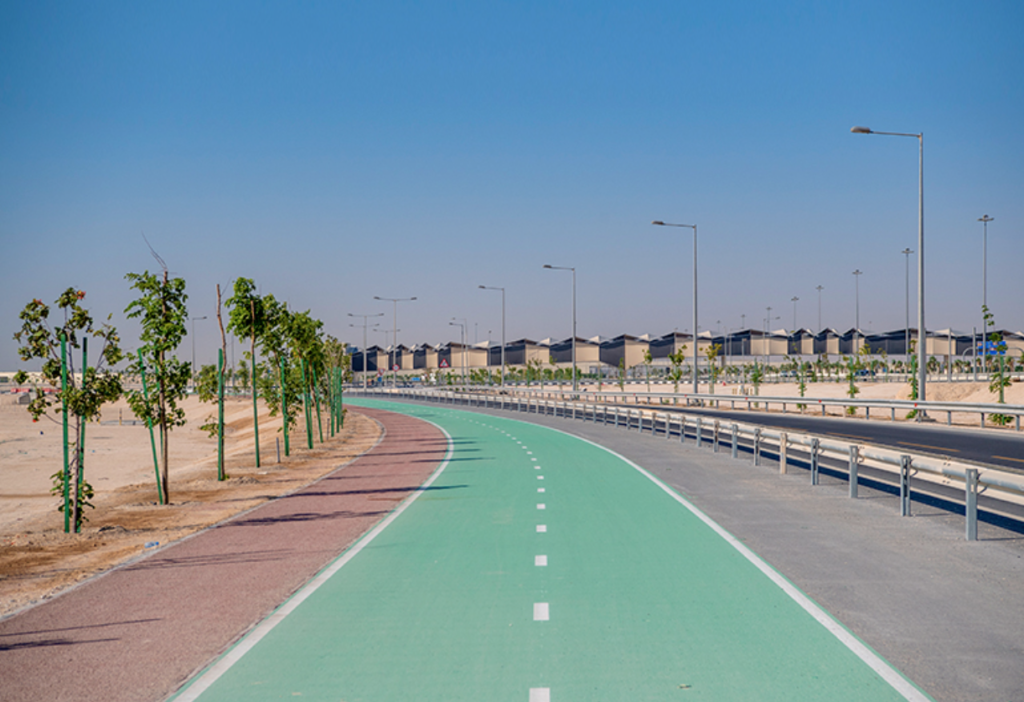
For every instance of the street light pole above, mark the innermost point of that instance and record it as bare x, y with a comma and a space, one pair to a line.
922, 356
485, 287
659, 223
984, 285
575, 382
365, 318
462, 341
819, 289
394, 341
906, 334
194, 374
794, 301
856, 320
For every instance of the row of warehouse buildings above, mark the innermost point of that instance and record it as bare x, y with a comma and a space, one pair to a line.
596, 354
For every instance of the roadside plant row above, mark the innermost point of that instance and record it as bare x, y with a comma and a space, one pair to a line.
291, 365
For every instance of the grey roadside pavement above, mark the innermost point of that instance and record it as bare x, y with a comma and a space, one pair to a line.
947, 612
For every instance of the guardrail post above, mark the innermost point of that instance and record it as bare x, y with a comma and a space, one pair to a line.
700, 433
682, 428
815, 445
971, 503
905, 463
783, 451
668, 425
757, 446
854, 463
715, 440
735, 439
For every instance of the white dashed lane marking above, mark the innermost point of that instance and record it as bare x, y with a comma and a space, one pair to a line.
540, 560
540, 612
541, 505
542, 528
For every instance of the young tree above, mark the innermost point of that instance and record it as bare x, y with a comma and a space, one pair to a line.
999, 379
163, 315
647, 365
712, 352
81, 397
676, 360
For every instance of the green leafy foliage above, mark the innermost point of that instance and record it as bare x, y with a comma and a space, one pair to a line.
163, 315
999, 378
85, 392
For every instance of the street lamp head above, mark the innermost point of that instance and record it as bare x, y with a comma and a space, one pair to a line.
986, 219
547, 266
482, 287
860, 130
658, 222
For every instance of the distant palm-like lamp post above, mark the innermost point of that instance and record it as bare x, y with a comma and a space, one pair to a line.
575, 382
363, 325
194, 373
394, 341
922, 356
794, 301
659, 223
487, 287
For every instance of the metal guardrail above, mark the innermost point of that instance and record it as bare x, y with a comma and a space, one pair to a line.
789, 448
785, 402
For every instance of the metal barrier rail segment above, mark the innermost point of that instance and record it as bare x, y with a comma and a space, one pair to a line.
715, 401
902, 465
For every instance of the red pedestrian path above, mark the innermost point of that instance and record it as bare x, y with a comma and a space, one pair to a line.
140, 631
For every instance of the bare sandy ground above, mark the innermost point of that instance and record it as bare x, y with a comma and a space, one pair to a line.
37, 559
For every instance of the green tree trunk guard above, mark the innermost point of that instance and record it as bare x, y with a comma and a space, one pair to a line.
152, 441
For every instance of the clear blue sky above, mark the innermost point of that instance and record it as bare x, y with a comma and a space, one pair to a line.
334, 151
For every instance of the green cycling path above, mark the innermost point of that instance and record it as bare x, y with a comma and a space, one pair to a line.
540, 567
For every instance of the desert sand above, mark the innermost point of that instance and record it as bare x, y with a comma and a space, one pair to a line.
37, 559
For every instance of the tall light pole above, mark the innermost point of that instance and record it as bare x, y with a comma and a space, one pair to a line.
659, 223
365, 318
906, 278
922, 356
194, 374
984, 284
486, 287
394, 341
794, 301
462, 341
575, 383
819, 289
856, 320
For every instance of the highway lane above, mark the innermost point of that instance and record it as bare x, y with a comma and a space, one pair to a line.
538, 566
